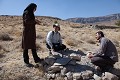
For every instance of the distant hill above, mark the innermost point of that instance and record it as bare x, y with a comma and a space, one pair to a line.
106, 18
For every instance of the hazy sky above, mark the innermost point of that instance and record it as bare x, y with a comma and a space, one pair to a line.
62, 8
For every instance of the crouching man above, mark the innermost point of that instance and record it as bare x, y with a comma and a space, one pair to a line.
54, 40
106, 56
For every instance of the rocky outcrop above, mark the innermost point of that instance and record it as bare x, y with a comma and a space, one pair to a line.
95, 19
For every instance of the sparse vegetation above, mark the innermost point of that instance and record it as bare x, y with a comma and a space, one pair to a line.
0, 47
5, 37
91, 41
71, 42
117, 23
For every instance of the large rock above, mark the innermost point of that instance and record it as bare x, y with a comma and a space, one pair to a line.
54, 69
75, 56
72, 62
109, 76
50, 60
77, 76
62, 61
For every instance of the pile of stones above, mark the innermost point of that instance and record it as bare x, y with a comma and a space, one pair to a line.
72, 65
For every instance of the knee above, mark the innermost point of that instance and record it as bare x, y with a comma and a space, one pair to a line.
93, 60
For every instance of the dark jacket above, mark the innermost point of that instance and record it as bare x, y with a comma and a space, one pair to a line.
29, 32
108, 49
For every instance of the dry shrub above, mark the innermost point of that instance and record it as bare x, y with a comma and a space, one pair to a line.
88, 38
39, 37
5, 37
8, 76
116, 43
90, 41
22, 77
71, 42
38, 47
76, 26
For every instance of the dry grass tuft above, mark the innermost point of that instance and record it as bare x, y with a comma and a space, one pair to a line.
90, 41
116, 43
5, 37
39, 47
39, 37
0, 47
71, 42
8, 76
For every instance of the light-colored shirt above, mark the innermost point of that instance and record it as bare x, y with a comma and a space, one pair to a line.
53, 37
107, 48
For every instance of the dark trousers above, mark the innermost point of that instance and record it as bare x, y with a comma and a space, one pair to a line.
26, 57
103, 62
57, 46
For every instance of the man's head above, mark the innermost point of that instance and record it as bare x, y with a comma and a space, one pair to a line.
99, 34
56, 26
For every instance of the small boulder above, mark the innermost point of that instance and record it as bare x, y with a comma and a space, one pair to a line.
75, 56
62, 61
54, 69
50, 60
77, 76
109, 76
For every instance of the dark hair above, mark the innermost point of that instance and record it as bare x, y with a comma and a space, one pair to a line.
29, 10
101, 33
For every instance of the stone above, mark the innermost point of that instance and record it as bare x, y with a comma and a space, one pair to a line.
62, 61
63, 71
54, 69
57, 54
96, 77
72, 62
50, 60
70, 68
109, 76
69, 76
75, 56
87, 74
50, 76
77, 76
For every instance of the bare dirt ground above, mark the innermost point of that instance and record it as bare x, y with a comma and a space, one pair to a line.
74, 37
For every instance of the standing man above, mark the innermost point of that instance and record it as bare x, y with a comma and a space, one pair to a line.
106, 56
54, 40
29, 34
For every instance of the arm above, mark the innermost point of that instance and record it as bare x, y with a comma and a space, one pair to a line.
102, 49
49, 39
60, 39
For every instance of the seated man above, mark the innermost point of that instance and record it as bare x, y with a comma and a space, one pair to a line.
106, 56
54, 41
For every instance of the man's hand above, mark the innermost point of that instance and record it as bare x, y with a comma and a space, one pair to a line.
90, 54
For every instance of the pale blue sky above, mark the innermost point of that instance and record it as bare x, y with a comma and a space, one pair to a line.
62, 8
